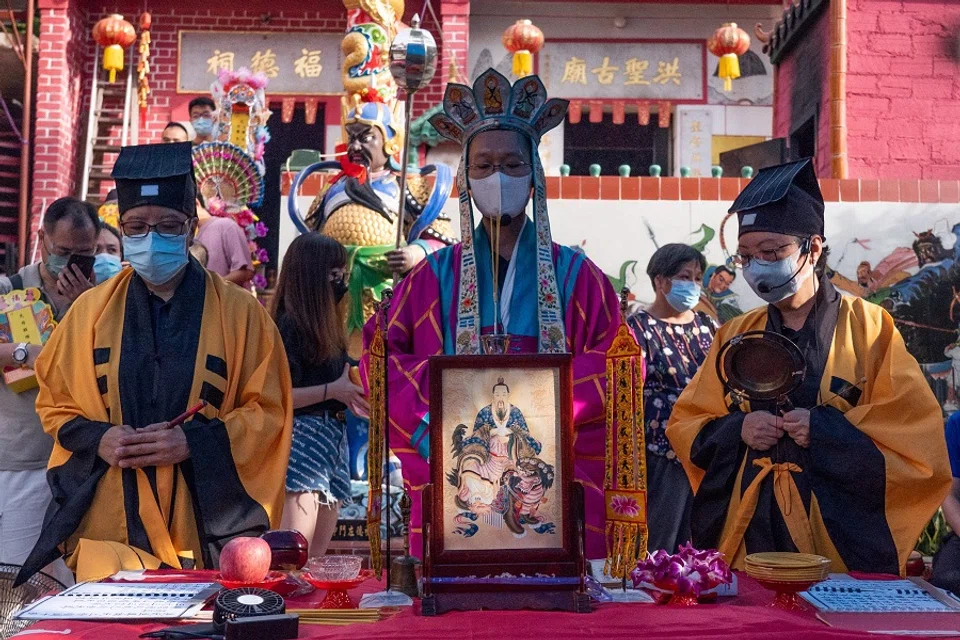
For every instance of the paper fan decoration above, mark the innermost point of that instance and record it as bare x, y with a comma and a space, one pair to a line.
225, 171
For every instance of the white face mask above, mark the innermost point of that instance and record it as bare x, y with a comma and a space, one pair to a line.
500, 195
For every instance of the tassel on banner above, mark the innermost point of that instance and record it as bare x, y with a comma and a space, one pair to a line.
310, 113
619, 111
664, 115
625, 479
378, 422
596, 111
286, 114
575, 112
143, 65
643, 113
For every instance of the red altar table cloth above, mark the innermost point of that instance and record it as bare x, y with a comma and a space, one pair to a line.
744, 617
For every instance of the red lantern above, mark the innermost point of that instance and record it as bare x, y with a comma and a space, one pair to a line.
727, 43
114, 34
523, 40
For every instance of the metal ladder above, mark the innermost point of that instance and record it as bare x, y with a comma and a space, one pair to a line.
10, 145
111, 124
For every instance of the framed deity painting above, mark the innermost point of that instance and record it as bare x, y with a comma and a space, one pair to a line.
503, 511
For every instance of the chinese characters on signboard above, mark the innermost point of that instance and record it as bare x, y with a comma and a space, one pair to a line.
694, 140
624, 70
295, 63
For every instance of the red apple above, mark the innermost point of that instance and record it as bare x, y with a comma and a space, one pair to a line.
245, 560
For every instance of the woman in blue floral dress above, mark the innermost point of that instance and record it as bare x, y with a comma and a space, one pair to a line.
675, 341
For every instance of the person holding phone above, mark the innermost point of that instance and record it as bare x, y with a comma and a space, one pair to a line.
68, 241
308, 311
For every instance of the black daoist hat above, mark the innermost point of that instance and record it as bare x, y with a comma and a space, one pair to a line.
156, 174
782, 199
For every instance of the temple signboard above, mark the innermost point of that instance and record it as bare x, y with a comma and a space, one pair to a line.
625, 70
294, 63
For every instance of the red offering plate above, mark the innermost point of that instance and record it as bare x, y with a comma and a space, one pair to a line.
271, 582
787, 598
337, 596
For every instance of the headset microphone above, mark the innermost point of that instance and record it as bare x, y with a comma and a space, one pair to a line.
804, 250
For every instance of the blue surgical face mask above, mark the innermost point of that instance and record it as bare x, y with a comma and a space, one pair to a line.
155, 258
776, 281
203, 126
105, 266
684, 294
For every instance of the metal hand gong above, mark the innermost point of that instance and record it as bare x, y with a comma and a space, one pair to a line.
760, 366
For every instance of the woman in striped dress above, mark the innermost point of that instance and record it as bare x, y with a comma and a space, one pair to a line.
675, 341
308, 311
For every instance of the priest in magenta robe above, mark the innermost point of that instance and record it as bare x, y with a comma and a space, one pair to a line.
505, 276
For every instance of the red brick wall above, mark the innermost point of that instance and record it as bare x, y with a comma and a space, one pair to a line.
67, 62
165, 104
802, 81
903, 89
451, 37
58, 103
455, 18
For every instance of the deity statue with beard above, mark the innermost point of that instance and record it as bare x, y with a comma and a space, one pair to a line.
359, 210
360, 205
500, 439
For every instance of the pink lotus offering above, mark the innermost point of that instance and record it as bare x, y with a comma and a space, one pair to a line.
685, 574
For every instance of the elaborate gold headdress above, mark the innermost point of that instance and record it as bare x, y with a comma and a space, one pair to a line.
493, 103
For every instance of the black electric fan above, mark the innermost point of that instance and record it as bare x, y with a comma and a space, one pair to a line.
13, 599
246, 602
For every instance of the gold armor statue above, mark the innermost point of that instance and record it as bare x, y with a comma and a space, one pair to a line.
359, 208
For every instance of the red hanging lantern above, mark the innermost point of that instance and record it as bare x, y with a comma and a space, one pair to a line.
523, 39
114, 34
728, 43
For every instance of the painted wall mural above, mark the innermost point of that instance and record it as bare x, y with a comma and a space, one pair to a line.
904, 257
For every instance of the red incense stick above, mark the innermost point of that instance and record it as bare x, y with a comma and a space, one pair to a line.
186, 415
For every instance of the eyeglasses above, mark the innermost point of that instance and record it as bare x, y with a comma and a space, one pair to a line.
164, 229
767, 255
515, 168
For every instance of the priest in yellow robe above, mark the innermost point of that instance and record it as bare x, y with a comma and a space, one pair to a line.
132, 355
856, 464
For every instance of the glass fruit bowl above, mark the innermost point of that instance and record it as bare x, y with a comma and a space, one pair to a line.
334, 568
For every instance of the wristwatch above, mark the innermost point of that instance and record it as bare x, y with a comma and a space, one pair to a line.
20, 354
